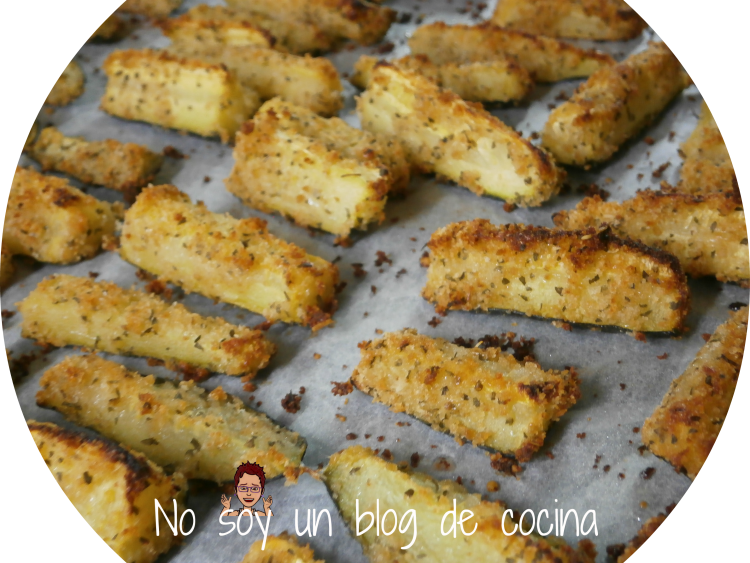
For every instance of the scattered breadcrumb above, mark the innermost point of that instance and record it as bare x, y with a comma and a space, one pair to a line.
291, 402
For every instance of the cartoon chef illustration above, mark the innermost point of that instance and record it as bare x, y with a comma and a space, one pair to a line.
249, 484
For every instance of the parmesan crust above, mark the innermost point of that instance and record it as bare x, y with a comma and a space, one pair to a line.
229, 260
361, 21
611, 20
499, 80
357, 474
190, 95
584, 277
68, 87
320, 172
66, 310
481, 395
707, 233
194, 26
51, 221
459, 140
296, 37
613, 105
283, 548
707, 166
180, 426
126, 167
684, 427
545, 58
114, 489
311, 82
156, 9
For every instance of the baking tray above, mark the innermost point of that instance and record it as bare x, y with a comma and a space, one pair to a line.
622, 380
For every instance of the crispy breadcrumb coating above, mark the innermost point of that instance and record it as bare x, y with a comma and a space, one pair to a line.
283, 548
68, 87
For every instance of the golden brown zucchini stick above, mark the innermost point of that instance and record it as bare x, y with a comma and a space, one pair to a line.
357, 477
707, 166
296, 37
68, 87
177, 93
547, 59
707, 233
585, 277
216, 32
114, 489
613, 105
180, 426
499, 80
229, 260
283, 548
66, 310
684, 427
311, 82
113, 29
363, 22
481, 395
611, 20
7, 268
51, 221
335, 178
125, 167
442, 133
156, 9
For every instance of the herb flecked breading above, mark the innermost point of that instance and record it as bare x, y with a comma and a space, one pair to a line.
283, 548
226, 259
481, 395
66, 310
69, 86
114, 489
455, 139
180, 426
684, 427
586, 277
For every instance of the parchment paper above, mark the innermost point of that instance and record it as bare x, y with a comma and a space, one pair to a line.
622, 379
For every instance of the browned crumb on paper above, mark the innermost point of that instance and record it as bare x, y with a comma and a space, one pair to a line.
341, 388
291, 402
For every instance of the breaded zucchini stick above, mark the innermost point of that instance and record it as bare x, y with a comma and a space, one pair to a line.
229, 260
442, 133
357, 474
333, 177
576, 276
499, 80
707, 233
684, 427
707, 166
216, 32
66, 310
283, 548
113, 28
296, 37
177, 93
51, 221
311, 82
613, 105
611, 20
7, 268
178, 425
156, 9
114, 489
646, 531
125, 167
363, 22
481, 395
547, 59
68, 87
